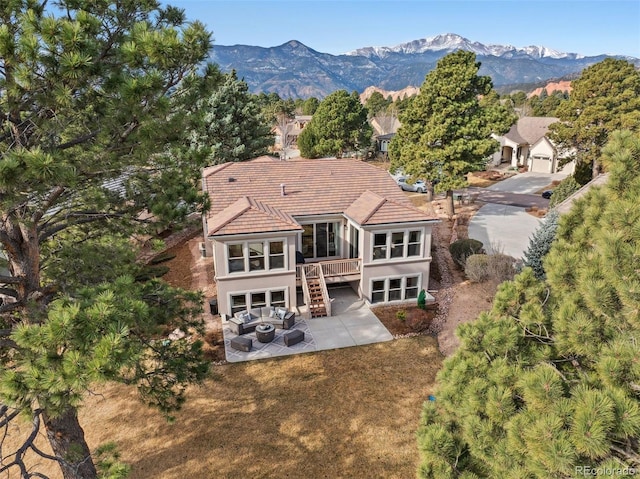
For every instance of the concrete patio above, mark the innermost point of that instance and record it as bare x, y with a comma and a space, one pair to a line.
352, 324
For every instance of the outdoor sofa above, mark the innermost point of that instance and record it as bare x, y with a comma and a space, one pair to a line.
244, 322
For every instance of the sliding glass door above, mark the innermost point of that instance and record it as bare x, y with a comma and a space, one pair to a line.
321, 240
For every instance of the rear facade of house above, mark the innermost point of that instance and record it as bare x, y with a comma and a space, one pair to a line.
280, 228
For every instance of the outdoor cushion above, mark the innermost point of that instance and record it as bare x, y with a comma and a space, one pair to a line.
242, 343
293, 337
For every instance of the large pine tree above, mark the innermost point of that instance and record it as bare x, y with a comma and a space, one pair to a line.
446, 130
95, 98
605, 98
547, 384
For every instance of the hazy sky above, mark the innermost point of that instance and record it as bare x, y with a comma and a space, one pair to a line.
573, 26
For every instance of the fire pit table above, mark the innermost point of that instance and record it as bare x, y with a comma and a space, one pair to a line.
265, 332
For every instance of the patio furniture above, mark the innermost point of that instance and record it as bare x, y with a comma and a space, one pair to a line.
244, 322
265, 332
242, 343
293, 337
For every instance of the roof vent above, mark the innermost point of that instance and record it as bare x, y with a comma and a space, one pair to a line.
282, 190
231, 179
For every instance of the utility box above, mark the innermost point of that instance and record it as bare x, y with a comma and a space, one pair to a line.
213, 306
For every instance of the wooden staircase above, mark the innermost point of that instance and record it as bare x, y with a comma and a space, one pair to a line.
315, 291
317, 307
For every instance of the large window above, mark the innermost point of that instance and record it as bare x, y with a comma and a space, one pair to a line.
276, 254
321, 240
394, 289
236, 257
255, 256
257, 299
397, 244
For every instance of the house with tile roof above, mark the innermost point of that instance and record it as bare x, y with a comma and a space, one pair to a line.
527, 144
276, 228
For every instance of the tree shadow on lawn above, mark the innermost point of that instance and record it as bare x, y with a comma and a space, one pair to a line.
339, 413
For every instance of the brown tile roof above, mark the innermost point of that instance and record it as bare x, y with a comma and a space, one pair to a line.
312, 187
529, 129
246, 215
373, 209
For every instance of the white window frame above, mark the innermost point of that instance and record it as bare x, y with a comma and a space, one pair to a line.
389, 244
266, 255
268, 297
402, 289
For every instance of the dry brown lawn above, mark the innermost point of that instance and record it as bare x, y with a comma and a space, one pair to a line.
344, 413
349, 412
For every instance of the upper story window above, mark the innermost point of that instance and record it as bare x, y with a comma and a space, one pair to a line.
396, 244
255, 256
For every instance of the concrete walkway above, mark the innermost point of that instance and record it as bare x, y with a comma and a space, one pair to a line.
352, 324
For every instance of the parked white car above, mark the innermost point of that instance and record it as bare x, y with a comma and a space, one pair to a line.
419, 186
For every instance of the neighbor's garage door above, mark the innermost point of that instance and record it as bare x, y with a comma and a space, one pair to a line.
541, 164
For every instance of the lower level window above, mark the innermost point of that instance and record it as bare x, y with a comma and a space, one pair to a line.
394, 289
257, 299
377, 291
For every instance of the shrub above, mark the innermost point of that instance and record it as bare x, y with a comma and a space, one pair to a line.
540, 244
501, 267
401, 315
460, 250
497, 267
566, 188
476, 268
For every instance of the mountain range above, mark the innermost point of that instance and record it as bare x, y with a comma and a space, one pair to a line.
293, 70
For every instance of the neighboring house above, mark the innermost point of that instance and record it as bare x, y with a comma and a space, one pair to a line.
347, 220
384, 129
383, 141
527, 144
292, 130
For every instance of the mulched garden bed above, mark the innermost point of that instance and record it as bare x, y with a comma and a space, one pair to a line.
405, 319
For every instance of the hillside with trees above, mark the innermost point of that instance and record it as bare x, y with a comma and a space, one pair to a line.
547, 384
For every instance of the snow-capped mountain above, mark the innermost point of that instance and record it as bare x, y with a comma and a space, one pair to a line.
450, 42
295, 70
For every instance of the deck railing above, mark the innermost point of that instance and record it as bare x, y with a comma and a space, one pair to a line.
339, 267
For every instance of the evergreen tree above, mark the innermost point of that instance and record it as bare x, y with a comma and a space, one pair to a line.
605, 98
95, 98
231, 126
310, 106
376, 104
338, 125
446, 130
540, 244
547, 384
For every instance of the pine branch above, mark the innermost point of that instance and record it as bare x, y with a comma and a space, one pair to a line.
83, 218
630, 456
53, 196
77, 141
11, 280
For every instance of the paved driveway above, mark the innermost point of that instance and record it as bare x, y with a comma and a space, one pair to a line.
526, 183
502, 224
504, 229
